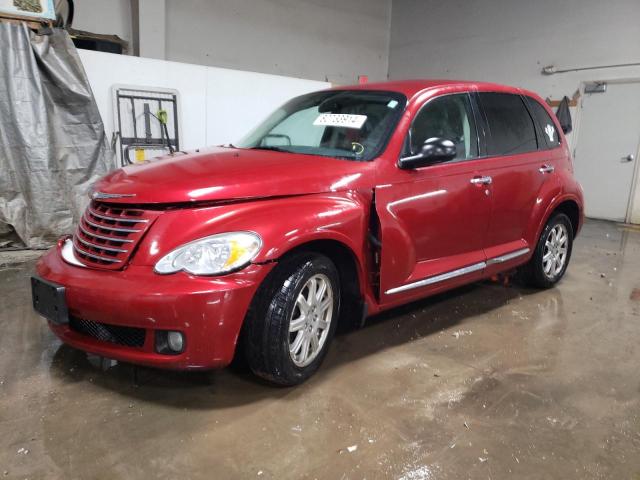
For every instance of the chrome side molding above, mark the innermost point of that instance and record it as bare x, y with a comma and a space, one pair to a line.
508, 256
458, 272
438, 278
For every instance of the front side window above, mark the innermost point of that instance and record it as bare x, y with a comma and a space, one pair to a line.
549, 130
353, 125
511, 129
449, 117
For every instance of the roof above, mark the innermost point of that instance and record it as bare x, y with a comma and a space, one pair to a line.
412, 87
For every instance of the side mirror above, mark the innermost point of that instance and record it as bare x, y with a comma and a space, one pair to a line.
434, 150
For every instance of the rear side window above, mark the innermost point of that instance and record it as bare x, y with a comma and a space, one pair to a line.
511, 129
549, 130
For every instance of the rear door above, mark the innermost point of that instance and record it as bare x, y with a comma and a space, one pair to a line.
519, 164
434, 218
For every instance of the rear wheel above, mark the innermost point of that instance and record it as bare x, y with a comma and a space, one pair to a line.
551, 256
292, 319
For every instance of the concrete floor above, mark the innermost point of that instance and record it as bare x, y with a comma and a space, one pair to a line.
485, 382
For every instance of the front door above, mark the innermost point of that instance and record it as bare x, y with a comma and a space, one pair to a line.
607, 146
434, 218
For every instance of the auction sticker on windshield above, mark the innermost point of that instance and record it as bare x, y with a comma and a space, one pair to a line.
340, 120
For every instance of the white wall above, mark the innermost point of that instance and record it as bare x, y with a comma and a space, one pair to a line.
237, 101
152, 36
509, 41
334, 40
216, 105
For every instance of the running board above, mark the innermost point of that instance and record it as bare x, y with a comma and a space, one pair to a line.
458, 272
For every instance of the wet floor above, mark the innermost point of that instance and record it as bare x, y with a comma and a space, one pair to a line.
486, 382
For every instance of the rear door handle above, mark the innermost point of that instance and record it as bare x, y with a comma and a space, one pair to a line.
546, 169
628, 158
481, 180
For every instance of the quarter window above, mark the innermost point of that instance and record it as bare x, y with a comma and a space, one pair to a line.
511, 129
449, 117
548, 127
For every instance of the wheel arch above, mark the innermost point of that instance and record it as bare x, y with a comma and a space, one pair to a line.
567, 204
351, 273
570, 209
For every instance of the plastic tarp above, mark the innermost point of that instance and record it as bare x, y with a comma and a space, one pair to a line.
52, 140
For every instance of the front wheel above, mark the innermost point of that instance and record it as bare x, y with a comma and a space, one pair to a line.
292, 319
551, 256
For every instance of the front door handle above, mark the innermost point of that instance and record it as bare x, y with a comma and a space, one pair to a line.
481, 180
546, 169
628, 158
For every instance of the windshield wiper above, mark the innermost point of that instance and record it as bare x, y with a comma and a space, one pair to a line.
273, 149
346, 156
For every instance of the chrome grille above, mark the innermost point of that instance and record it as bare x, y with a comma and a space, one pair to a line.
108, 234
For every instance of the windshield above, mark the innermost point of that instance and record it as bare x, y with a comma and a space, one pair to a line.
354, 125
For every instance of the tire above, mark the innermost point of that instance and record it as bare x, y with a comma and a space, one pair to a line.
278, 308
544, 271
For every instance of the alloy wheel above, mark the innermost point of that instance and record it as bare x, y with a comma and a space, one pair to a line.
310, 320
555, 252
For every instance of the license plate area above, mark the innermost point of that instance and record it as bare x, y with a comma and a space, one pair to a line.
49, 300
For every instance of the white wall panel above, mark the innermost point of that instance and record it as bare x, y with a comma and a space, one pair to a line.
216, 105
334, 40
237, 101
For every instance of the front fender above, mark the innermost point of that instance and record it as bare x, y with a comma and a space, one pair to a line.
283, 224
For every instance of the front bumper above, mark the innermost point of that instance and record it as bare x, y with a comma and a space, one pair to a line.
209, 311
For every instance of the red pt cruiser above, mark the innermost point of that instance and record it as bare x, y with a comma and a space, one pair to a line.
343, 203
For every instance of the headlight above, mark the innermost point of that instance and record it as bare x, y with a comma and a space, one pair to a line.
212, 255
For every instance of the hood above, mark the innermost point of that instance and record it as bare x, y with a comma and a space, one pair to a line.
232, 174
